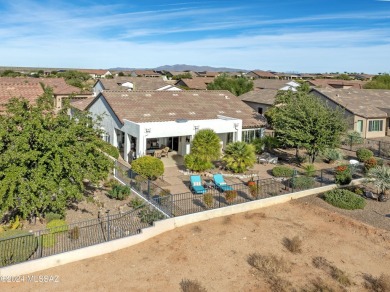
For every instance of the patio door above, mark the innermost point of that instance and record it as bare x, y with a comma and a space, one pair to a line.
359, 126
173, 143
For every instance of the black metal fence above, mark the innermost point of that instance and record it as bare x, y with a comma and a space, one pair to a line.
47, 242
379, 148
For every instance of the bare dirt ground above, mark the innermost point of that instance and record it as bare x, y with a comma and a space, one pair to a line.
216, 252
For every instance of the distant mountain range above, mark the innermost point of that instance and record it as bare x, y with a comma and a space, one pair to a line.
184, 67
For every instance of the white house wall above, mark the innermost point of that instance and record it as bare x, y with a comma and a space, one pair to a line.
109, 120
97, 88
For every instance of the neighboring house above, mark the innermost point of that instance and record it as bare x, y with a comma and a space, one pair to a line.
136, 122
256, 74
145, 73
61, 89
337, 83
260, 100
287, 76
96, 73
170, 74
206, 74
260, 84
133, 83
197, 83
29, 91
367, 110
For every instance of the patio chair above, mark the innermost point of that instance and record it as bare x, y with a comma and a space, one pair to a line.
196, 184
157, 153
164, 152
220, 183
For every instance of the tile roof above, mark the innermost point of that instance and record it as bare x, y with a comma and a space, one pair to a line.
368, 103
82, 104
30, 91
94, 71
140, 83
269, 83
264, 74
198, 83
337, 83
59, 86
146, 73
163, 106
264, 96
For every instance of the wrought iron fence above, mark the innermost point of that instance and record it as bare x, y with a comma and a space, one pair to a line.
47, 242
379, 148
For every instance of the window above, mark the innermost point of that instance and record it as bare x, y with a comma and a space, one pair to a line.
260, 110
375, 125
249, 135
106, 137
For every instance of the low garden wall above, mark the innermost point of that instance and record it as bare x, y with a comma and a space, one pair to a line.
158, 227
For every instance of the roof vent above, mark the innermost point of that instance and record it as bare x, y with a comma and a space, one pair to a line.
227, 97
238, 111
124, 95
192, 113
221, 94
195, 94
146, 115
175, 94
172, 114
148, 94
221, 112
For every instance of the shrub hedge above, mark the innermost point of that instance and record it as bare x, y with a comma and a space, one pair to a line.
282, 171
344, 199
119, 192
364, 154
18, 246
109, 149
302, 182
147, 166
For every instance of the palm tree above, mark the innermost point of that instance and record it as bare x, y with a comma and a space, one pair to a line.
239, 156
380, 177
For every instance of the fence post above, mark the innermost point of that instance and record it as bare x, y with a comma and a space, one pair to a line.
350, 142
172, 206
148, 189
108, 225
321, 177
257, 188
379, 151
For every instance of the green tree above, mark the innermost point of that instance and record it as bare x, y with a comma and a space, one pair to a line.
10, 73
121, 74
148, 166
186, 75
205, 148
236, 85
303, 120
45, 158
239, 156
379, 82
75, 78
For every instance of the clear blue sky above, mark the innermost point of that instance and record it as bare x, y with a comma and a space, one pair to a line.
280, 35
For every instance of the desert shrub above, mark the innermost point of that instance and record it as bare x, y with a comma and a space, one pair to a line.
370, 163
380, 284
50, 216
148, 215
54, 227
363, 154
353, 138
294, 244
230, 195
148, 166
74, 233
337, 274
191, 286
302, 182
254, 190
119, 192
239, 156
282, 171
16, 246
136, 203
343, 175
331, 155
358, 191
344, 199
138, 180
310, 170
208, 200
195, 163
268, 264
111, 183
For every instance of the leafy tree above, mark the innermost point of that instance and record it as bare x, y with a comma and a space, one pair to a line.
236, 85
45, 158
75, 78
204, 149
10, 73
343, 76
239, 156
186, 75
303, 120
379, 82
148, 166
121, 74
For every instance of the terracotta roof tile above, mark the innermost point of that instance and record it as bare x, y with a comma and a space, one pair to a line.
264, 96
162, 106
30, 91
198, 83
140, 83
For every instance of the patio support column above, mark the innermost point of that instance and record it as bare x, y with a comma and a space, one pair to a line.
126, 147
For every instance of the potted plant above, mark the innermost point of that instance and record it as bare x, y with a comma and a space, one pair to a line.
251, 182
230, 196
343, 175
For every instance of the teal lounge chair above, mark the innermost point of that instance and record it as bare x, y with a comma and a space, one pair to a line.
196, 184
220, 183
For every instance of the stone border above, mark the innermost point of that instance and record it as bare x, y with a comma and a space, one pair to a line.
159, 227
